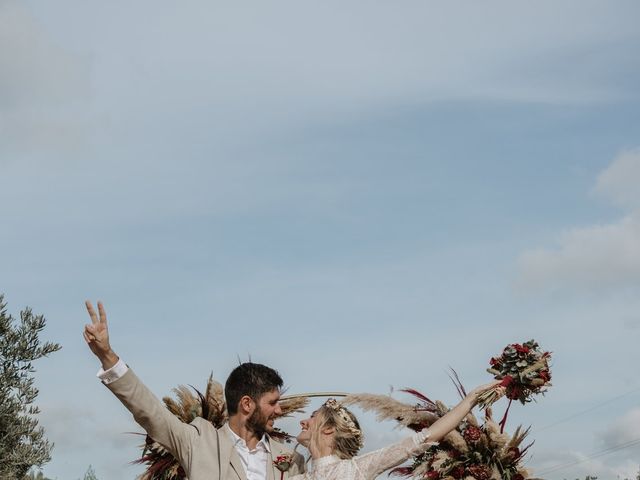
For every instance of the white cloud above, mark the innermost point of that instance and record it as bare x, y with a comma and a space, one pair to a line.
591, 257
103, 440
624, 430
621, 180
87, 427
236, 73
597, 256
277, 63
35, 69
41, 83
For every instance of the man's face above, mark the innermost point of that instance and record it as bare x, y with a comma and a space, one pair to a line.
267, 409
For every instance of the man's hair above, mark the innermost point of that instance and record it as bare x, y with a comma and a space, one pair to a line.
252, 379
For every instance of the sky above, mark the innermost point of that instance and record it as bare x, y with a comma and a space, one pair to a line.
360, 194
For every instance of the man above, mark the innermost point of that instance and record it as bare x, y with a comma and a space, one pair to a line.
239, 450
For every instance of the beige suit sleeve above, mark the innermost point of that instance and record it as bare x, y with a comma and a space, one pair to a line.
152, 415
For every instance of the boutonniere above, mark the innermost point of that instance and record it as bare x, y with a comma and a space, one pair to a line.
283, 463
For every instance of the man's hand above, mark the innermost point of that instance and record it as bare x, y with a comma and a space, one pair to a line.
96, 335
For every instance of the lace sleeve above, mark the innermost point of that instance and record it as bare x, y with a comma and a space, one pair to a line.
374, 463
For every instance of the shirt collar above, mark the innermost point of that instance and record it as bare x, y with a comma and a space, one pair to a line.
238, 441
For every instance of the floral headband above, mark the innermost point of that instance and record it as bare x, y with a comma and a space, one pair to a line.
333, 404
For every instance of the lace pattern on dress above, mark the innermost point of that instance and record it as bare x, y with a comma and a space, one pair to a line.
369, 465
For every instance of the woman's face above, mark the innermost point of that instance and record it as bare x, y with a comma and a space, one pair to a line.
304, 437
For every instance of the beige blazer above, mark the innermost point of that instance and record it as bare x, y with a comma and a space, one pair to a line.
205, 453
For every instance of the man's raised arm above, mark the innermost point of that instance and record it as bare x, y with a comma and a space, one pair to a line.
148, 411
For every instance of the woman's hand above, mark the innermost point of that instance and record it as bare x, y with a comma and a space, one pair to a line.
495, 385
453, 417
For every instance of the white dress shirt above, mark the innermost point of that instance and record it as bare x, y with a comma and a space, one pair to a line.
255, 462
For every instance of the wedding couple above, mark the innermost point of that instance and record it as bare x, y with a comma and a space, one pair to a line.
242, 449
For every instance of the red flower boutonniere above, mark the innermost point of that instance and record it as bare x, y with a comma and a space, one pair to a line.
283, 463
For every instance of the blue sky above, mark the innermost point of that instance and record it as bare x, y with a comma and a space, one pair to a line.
360, 194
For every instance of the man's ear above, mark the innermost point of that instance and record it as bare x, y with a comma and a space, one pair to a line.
246, 405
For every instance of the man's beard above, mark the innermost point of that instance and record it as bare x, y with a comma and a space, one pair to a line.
258, 423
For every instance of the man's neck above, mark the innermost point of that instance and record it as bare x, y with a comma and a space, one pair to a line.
239, 427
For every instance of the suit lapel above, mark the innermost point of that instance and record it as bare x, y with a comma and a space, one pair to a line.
236, 464
274, 451
229, 457
271, 469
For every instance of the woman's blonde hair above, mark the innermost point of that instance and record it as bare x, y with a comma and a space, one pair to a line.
348, 438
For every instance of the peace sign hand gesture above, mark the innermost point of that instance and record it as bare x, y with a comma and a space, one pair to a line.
96, 334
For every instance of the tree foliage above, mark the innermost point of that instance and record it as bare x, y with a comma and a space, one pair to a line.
22, 441
90, 474
35, 476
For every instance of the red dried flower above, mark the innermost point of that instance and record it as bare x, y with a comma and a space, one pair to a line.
432, 475
513, 453
472, 434
514, 393
506, 381
453, 453
480, 472
457, 472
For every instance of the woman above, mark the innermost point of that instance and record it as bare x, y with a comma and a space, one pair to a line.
333, 437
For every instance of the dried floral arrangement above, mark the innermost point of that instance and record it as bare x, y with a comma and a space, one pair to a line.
470, 452
188, 405
524, 371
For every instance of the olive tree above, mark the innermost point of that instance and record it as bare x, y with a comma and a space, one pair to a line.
22, 442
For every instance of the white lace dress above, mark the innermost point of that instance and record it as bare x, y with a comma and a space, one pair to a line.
367, 466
